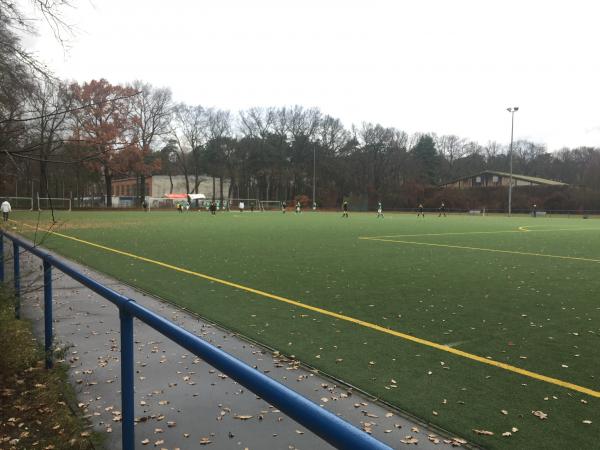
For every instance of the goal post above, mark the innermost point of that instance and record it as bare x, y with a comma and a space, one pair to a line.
250, 204
20, 203
270, 205
47, 203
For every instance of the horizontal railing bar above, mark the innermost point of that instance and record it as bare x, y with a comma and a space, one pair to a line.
328, 426
336, 431
112, 296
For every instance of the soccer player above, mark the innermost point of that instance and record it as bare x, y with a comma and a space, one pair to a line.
534, 210
442, 210
298, 208
345, 209
420, 210
379, 210
283, 206
314, 206
5, 207
241, 206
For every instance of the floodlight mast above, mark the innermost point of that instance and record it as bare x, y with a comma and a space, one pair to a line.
314, 173
512, 111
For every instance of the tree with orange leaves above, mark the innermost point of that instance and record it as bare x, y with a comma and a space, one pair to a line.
103, 122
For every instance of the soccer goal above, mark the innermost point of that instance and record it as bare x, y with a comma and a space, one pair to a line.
270, 205
160, 203
23, 203
250, 204
47, 203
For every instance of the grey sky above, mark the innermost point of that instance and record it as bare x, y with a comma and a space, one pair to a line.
428, 65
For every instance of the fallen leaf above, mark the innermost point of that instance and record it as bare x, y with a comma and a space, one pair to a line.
484, 432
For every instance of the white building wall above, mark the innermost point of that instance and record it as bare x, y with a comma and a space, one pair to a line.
161, 185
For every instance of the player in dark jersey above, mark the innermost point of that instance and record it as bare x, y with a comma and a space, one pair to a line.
379, 210
442, 210
283, 206
345, 209
420, 210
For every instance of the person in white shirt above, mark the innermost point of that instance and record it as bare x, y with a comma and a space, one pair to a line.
241, 206
5, 207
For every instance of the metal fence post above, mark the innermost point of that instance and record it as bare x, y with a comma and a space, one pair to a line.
17, 280
127, 394
1, 257
48, 313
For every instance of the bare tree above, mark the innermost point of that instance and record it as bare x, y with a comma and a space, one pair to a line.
50, 102
151, 110
188, 132
218, 145
257, 122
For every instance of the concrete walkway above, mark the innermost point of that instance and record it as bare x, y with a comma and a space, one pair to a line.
181, 402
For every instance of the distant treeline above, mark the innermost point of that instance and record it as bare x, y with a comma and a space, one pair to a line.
59, 139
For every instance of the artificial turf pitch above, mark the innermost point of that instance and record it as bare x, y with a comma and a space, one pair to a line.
518, 290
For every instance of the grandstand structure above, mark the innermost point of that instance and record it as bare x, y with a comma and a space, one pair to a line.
492, 178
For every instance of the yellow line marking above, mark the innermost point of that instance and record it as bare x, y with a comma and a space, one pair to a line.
493, 250
363, 323
519, 230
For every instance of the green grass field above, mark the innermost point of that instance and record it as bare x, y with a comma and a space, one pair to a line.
521, 291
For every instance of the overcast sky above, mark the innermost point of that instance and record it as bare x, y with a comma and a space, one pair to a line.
429, 65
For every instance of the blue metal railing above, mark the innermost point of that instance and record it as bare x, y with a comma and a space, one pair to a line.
326, 425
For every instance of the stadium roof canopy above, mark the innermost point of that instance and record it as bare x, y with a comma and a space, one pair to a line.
501, 178
185, 196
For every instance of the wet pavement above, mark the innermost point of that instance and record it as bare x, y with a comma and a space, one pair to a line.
182, 402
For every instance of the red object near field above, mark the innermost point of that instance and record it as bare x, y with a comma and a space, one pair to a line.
176, 196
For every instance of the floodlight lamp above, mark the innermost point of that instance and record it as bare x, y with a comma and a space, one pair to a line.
515, 108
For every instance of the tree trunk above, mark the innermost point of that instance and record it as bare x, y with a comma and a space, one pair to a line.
142, 188
108, 183
230, 190
43, 191
221, 187
268, 188
187, 183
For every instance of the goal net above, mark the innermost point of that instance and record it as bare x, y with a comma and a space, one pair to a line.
19, 202
48, 203
270, 205
161, 203
250, 204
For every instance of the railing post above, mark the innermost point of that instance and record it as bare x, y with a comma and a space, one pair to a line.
48, 313
1, 257
17, 280
127, 394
